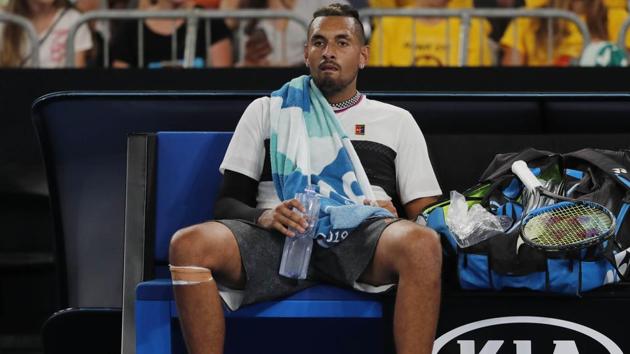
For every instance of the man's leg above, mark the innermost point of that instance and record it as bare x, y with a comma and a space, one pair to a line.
410, 255
210, 246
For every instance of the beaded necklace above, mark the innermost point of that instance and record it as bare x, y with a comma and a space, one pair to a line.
347, 103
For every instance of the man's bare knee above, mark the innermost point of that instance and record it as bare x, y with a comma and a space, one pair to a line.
203, 245
415, 246
404, 247
182, 244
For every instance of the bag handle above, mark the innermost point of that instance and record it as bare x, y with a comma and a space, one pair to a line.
601, 159
506, 160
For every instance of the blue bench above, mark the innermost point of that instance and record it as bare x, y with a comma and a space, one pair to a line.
172, 181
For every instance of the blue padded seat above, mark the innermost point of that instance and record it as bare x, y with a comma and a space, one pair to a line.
172, 181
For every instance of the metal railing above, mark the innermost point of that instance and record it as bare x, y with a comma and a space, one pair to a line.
623, 32
192, 18
30, 32
466, 15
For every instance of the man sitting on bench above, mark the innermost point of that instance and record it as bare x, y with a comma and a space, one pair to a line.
303, 133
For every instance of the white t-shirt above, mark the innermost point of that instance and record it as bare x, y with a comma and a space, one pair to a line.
52, 51
288, 50
387, 139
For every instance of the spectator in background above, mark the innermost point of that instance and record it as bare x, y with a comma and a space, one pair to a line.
161, 48
227, 5
52, 20
390, 3
407, 3
94, 56
525, 42
436, 40
499, 24
359, 4
100, 29
622, 4
276, 42
87, 5
458, 4
208, 4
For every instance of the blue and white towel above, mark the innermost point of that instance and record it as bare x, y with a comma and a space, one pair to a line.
309, 146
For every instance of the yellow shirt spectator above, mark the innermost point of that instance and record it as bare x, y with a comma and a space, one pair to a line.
460, 4
536, 3
390, 3
436, 44
616, 16
405, 3
623, 4
521, 35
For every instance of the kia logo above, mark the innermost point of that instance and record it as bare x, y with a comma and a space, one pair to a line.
519, 334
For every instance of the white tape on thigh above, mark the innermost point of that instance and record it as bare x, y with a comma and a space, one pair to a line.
189, 275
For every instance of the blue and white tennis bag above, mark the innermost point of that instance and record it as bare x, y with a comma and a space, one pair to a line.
589, 174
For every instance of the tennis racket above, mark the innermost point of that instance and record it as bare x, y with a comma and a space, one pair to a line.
568, 224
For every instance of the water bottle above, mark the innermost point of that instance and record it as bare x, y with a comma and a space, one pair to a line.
296, 254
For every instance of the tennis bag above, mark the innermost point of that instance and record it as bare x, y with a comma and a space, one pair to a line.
596, 175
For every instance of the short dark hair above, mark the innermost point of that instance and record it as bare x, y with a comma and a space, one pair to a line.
341, 10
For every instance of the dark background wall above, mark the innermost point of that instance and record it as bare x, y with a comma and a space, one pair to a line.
21, 168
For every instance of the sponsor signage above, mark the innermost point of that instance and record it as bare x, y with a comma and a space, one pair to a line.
524, 335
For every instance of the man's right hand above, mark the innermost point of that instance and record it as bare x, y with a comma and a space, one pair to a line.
283, 217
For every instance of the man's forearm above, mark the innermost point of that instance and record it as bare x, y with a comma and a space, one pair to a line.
416, 206
232, 208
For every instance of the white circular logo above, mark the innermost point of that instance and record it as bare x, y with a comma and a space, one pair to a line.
447, 337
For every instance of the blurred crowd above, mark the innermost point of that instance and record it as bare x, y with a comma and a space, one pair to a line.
394, 41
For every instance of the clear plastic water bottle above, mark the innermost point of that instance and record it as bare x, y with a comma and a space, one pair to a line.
296, 254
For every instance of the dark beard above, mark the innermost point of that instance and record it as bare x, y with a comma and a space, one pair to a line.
329, 86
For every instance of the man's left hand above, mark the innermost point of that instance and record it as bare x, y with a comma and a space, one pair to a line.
385, 204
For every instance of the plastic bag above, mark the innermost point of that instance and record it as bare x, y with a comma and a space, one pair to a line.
471, 226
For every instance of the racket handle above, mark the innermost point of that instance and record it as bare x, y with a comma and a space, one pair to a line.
526, 176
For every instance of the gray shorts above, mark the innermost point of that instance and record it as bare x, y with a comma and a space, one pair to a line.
261, 251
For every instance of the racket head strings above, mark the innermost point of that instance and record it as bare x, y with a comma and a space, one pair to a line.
567, 225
